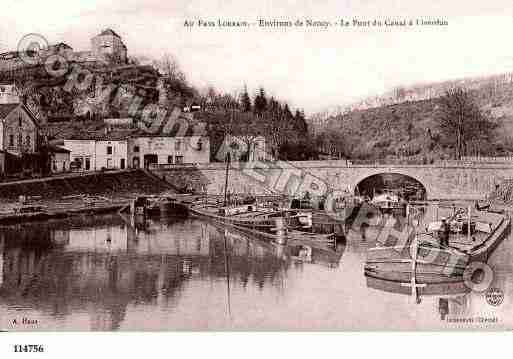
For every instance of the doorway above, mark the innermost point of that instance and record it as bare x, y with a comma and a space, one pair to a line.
151, 159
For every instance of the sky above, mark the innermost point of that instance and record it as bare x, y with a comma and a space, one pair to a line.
311, 68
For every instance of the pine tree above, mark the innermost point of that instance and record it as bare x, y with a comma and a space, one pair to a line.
273, 108
260, 102
300, 122
245, 100
287, 115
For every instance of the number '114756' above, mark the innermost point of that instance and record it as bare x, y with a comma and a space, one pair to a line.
18, 348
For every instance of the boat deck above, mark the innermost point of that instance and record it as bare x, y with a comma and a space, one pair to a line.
425, 261
462, 241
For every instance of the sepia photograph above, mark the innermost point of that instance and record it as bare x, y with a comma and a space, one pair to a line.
185, 166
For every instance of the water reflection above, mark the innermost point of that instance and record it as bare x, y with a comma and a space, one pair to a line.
101, 273
453, 298
102, 265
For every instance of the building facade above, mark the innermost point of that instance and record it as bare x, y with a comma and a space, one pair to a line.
60, 159
96, 155
109, 45
111, 154
159, 150
18, 129
8, 94
82, 154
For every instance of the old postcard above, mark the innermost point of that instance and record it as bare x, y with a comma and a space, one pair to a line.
255, 165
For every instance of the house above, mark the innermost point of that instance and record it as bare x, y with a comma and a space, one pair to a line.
179, 140
18, 139
18, 129
96, 153
246, 148
82, 154
111, 154
60, 158
168, 150
8, 94
61, 49
119, 122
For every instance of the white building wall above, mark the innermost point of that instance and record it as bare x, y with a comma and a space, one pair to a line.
84, 151
8, 94
116, 159
170, 150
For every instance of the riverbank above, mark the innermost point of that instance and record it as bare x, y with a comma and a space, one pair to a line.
85, 193
56, 210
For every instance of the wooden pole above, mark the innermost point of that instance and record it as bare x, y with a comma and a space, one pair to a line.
469, 217
227, 271
414, 292
226, 179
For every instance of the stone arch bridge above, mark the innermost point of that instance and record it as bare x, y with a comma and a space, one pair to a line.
450, 180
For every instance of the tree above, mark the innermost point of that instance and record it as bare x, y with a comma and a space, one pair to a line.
300, 122
169, 66
248, 131
260, 102
462, 121
245, 100
287, 115
175, 81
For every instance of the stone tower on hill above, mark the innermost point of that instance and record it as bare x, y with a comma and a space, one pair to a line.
109, 45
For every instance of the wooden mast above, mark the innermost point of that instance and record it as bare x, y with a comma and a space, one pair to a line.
226, 179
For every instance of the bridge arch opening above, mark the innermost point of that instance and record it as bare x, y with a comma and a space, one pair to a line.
406, 186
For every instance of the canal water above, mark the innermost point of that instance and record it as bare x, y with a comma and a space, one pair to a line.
100, 273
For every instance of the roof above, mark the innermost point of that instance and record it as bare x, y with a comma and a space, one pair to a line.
109, 32
6, 109
9, 55
58, 149
60, 44
101, 135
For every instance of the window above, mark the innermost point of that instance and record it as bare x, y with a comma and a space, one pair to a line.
109, 150
88, 164
170, 159
11, 140
179, 160
136, 148
20, 140
178, 145
20, 121
122, 164
27, 141
109, 163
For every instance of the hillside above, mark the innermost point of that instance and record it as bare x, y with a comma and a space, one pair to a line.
410, 129
52, 100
